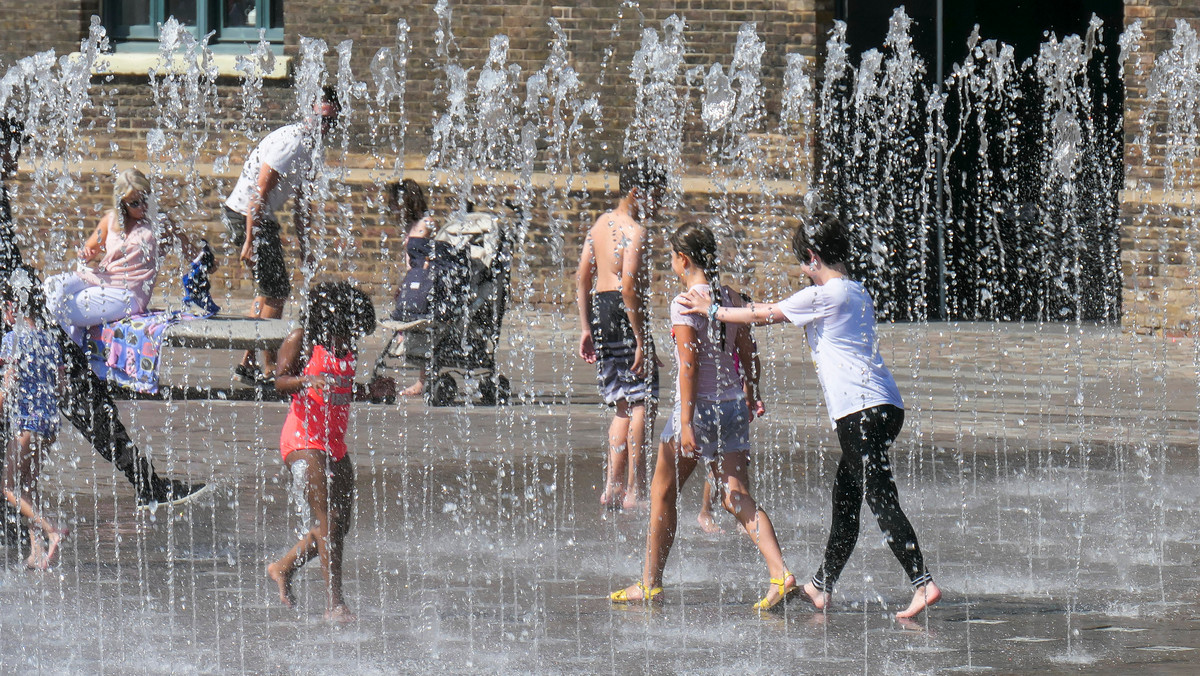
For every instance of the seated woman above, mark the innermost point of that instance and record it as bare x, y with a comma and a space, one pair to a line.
121, 285
407, 200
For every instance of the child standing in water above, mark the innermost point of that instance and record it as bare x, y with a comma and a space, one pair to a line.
711, 422
613, 332
33, 374
316, 366
863, 400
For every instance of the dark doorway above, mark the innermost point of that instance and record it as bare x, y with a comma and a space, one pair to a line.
1057, 264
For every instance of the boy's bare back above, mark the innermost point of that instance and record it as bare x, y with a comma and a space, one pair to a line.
616, 241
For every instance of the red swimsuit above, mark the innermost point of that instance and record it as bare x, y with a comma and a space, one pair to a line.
318, 417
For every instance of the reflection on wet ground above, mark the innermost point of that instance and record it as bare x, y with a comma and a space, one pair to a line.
480, 546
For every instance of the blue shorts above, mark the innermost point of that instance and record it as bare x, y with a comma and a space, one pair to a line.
720, 427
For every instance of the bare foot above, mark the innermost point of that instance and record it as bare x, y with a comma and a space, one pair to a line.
708, 525
340, 614
818, 598
37, 554
612, 498
284, 580
926, 595
414, 390
54, 537
632, 503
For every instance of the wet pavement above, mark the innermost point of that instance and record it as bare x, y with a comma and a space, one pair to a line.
1050, 471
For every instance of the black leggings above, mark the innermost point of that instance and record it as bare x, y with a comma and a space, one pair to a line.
865, 436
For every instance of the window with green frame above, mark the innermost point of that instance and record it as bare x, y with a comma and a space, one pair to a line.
233, 20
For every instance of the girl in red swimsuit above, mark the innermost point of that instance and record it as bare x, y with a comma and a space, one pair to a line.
316, 366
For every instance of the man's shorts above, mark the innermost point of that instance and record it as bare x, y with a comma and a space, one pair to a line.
720, 427
615, 350
270, 273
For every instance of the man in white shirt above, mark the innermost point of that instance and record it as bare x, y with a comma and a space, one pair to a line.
284, 161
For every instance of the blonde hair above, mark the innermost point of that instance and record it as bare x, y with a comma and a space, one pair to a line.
128, 182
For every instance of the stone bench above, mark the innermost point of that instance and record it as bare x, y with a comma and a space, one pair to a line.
228, 333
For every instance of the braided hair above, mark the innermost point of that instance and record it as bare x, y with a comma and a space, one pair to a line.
699, 244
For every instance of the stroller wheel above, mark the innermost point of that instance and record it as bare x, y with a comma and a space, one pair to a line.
494, 391
442, 391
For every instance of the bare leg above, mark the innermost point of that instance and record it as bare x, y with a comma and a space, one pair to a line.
618, 457
734, 479
707, 523
316, 492
20, 490
264, 308
670, 474
341, 510
641, 427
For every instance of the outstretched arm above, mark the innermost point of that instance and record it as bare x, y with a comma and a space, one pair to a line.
698, 302
584, 276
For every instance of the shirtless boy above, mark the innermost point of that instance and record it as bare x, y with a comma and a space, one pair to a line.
611, 288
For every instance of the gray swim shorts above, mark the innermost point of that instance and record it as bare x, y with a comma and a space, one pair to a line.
615, 350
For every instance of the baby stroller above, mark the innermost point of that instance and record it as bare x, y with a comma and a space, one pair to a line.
456, 333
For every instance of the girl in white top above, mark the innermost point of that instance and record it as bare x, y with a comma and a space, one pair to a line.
711, 422
122, 283
861, 395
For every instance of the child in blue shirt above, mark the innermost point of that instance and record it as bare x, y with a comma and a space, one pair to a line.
32, 363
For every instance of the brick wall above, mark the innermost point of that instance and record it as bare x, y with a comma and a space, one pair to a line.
368, 246
1158, 228
123, 111
30, 27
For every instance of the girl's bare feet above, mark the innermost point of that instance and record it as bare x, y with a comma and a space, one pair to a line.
340, 614
633, 503
284, 580
612, 498
54, 538
707, 524
926, 595
818, 598
37, 554
414, 390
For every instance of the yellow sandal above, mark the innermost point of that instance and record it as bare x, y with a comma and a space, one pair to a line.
785, 594
648, 595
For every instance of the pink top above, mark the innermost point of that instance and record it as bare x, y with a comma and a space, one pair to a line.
318, 418
130, 262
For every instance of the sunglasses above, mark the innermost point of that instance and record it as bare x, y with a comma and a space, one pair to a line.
136, 204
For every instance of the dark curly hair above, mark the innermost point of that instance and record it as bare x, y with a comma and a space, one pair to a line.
337, 309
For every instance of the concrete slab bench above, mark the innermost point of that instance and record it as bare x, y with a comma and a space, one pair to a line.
228, 333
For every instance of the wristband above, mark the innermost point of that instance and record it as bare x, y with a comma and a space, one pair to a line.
712, 312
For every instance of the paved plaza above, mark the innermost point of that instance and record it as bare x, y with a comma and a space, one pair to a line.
1050, 471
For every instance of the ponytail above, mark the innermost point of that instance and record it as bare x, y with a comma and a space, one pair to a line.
700, 245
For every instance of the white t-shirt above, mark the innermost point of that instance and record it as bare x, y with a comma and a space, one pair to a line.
840, 320
288, 150
717, 374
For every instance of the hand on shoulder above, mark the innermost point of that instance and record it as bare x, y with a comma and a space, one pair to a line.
694, 301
